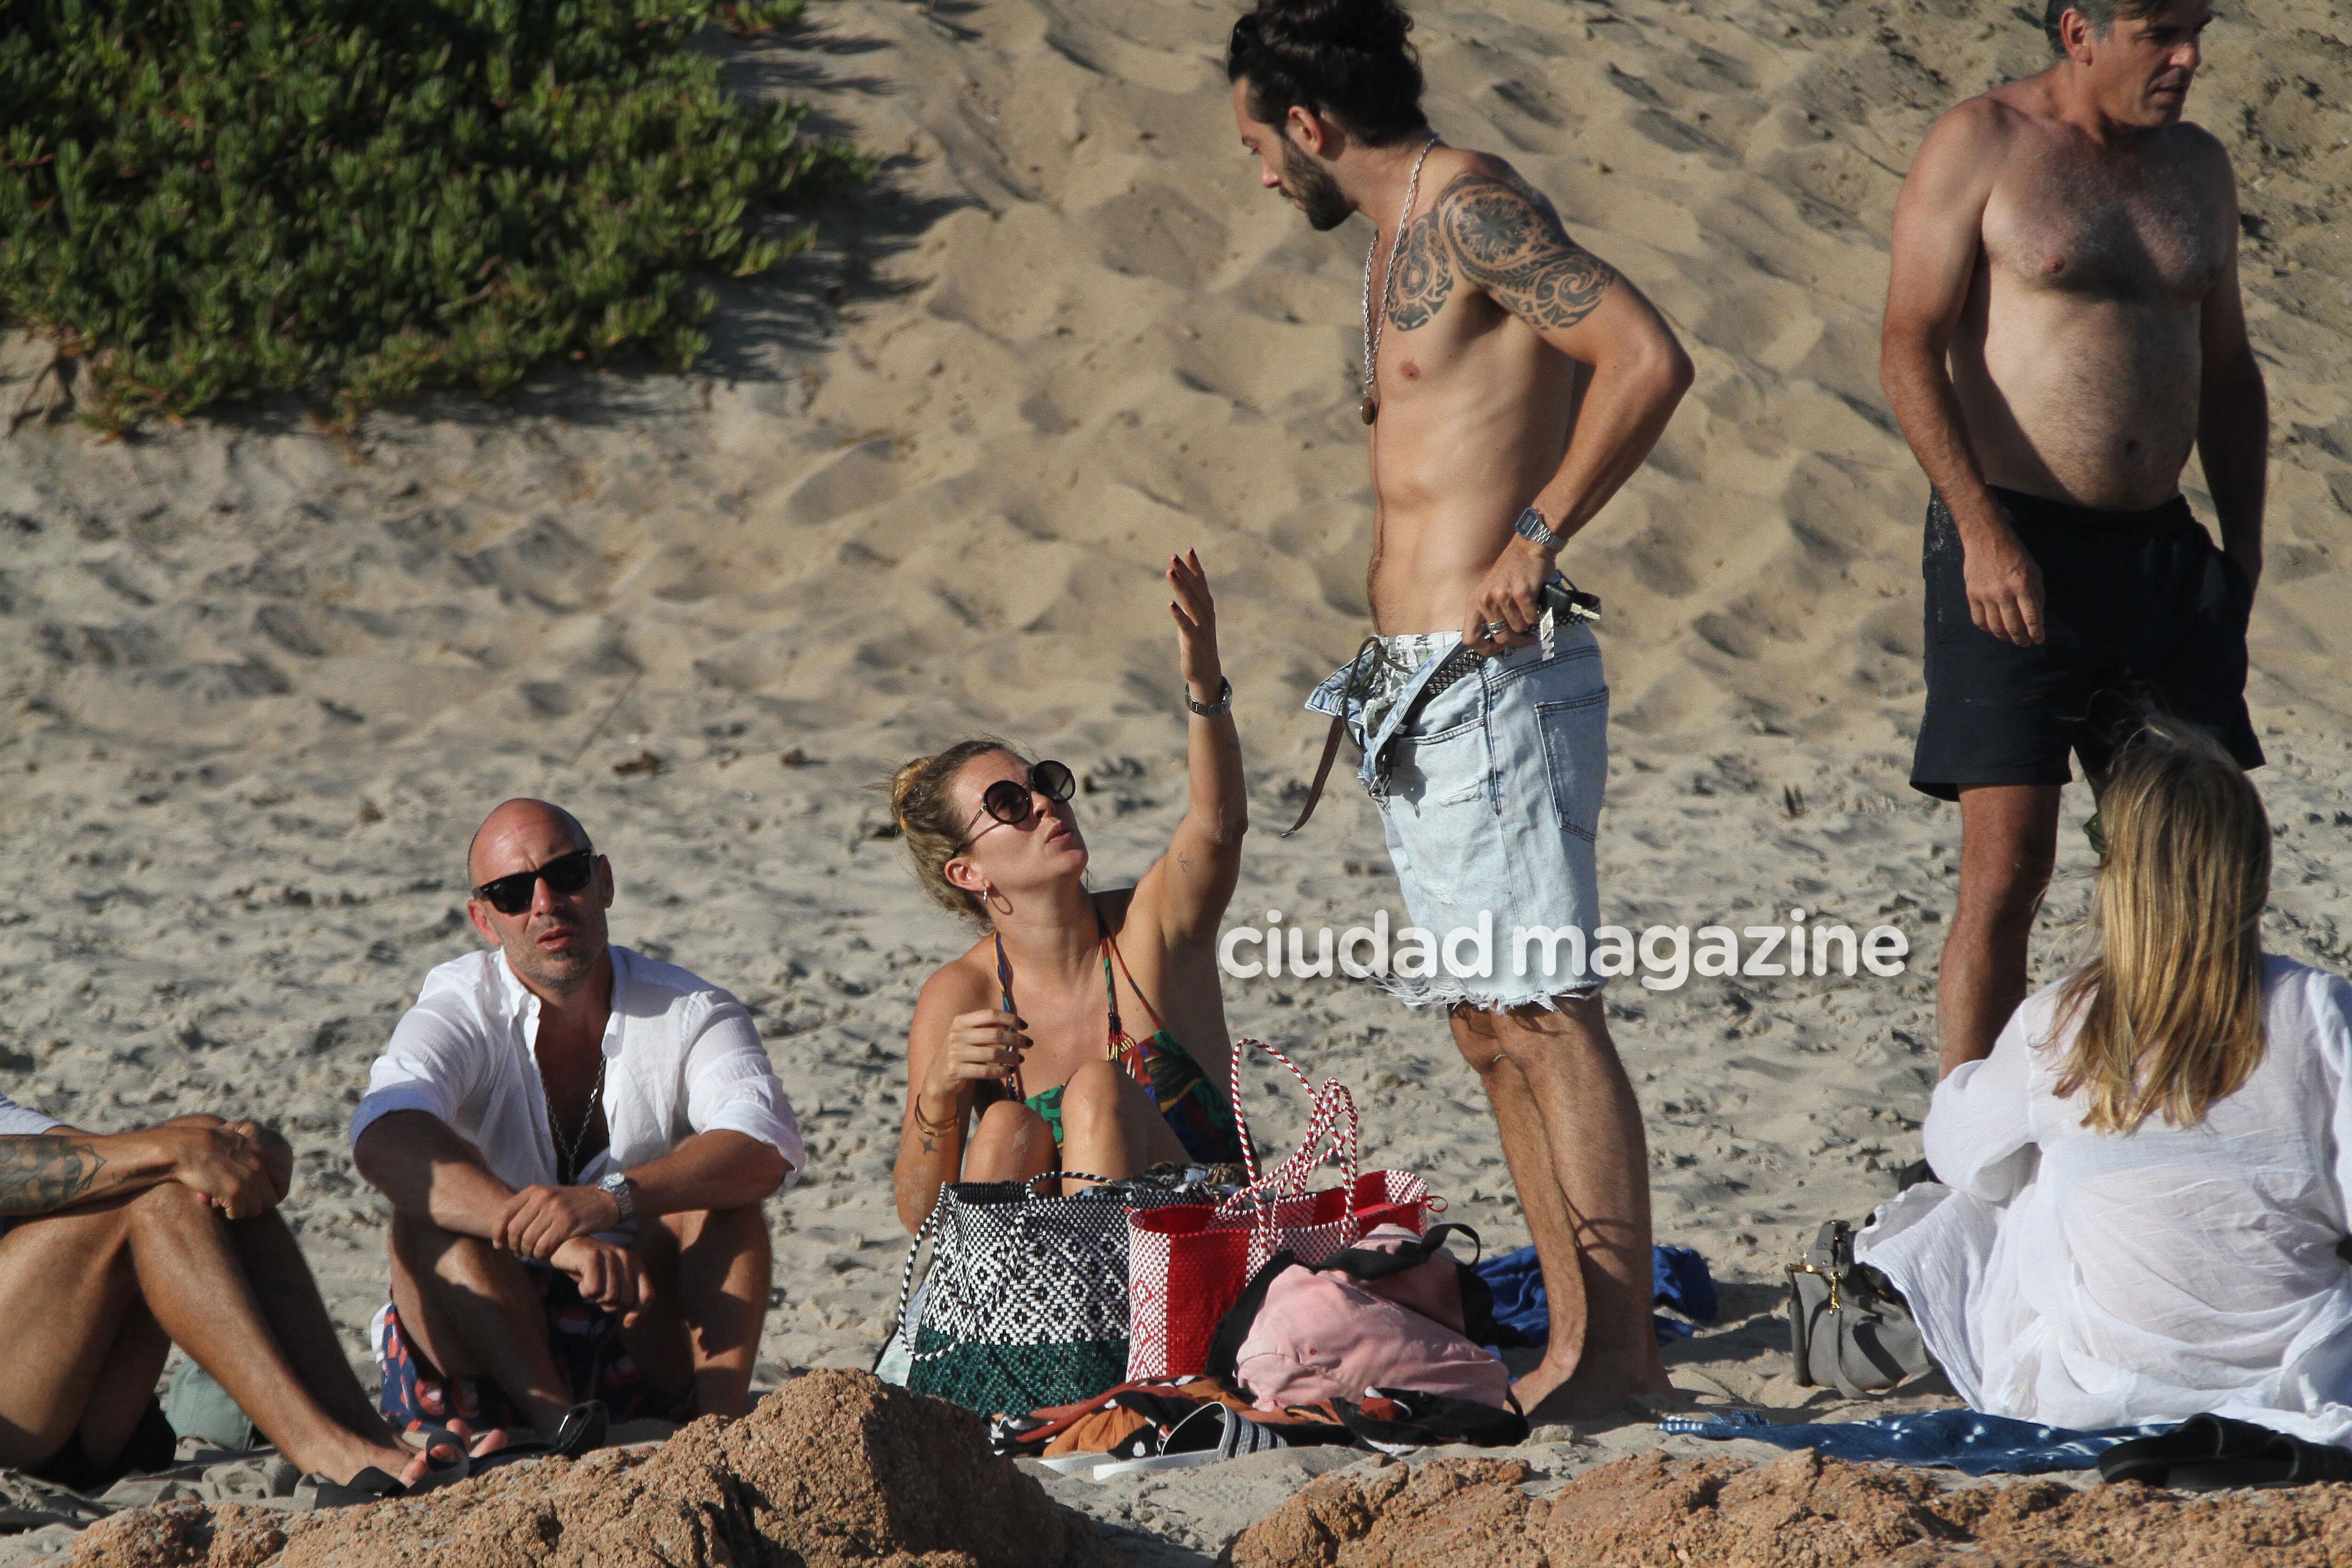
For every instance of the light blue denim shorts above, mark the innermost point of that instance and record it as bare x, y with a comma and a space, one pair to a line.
1490, 799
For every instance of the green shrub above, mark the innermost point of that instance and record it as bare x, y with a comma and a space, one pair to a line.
354, 200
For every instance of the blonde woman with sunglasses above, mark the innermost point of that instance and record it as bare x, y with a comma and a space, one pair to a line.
1084, 1031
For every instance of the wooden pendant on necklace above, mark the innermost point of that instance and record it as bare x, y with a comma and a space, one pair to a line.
1371, 409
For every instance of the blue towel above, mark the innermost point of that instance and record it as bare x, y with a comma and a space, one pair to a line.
1946, 1439
1678, 1275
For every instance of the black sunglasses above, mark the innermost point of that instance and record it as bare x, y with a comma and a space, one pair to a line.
564, 874
1010, 801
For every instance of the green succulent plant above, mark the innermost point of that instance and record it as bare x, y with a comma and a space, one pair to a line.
357, 200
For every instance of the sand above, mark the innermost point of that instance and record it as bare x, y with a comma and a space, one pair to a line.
261, 681
838, 1468
1802, 1512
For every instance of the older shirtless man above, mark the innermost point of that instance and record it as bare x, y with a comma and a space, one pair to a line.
2063, 325
1513, 382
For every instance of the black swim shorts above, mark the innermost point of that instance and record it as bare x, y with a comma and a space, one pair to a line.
2142, 615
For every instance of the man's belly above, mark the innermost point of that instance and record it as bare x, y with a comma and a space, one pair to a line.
1432, 558
1448, 490
2090, 404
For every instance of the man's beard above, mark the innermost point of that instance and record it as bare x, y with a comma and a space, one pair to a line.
556, 972
1310, 185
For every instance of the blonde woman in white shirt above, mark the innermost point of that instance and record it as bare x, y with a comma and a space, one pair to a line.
576, 1141
2145, 1184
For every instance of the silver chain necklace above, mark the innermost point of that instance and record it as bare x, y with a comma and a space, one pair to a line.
567, 1149
1371, 409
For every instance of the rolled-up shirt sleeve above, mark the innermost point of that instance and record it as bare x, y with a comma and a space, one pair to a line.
732, 1085
22, 1122
430, 1065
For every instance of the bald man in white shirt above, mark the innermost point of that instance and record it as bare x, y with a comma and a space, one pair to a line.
576, 1141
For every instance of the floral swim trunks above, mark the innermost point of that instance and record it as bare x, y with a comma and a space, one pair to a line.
587, 1342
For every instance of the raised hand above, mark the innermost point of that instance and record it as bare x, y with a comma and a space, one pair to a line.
1196, 612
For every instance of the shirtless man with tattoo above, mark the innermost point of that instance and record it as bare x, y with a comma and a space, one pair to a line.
2063, 325
115, 1247
1513, 382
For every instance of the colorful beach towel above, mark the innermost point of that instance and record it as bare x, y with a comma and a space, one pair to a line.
1965, 1440
1678, 1275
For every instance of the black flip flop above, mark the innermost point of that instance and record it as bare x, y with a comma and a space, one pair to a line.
582, 1431
2205, 1444
371, 1485
2284, 1461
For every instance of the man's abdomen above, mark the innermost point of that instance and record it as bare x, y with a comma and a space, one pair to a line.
2094, 404
1451, 478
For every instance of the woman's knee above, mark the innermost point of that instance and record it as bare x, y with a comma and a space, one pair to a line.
1099, 1094
1010, 1139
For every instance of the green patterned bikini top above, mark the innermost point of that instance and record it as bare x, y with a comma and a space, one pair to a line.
1185, 1097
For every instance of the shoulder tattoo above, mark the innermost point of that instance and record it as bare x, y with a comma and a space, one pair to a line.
1424, 275
1511, 245
45, 1173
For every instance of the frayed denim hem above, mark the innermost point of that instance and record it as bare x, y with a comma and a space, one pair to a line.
1446, 991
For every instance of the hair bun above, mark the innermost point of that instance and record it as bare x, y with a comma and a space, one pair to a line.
1375, 26
904, 783
1350, 60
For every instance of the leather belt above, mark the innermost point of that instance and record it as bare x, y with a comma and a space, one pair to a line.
1461, 662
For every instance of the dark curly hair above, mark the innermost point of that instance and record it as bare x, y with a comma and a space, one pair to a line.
1348, 59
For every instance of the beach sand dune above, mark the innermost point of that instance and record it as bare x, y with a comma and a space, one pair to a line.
261, 680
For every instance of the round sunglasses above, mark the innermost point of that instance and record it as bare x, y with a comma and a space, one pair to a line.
566, 874
1010, 801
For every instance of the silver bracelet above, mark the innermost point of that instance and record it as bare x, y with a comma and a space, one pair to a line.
1217, 710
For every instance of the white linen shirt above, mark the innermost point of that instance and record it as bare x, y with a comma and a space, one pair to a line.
681, 1056
2089, 1279
21, 1121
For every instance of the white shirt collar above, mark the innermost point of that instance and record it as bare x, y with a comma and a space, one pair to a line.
524, 1004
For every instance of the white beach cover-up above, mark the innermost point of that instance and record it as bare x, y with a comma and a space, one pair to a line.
2088, 1279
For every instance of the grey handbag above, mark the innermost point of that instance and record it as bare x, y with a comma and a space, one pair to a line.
1848, 1326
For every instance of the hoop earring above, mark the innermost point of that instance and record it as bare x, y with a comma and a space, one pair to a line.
989, 896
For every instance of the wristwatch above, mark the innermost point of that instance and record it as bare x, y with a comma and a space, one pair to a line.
1217, 710
1531, 528
623, 1193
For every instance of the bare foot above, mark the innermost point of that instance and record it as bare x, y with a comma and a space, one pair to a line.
1588, 1391
1545, 1381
